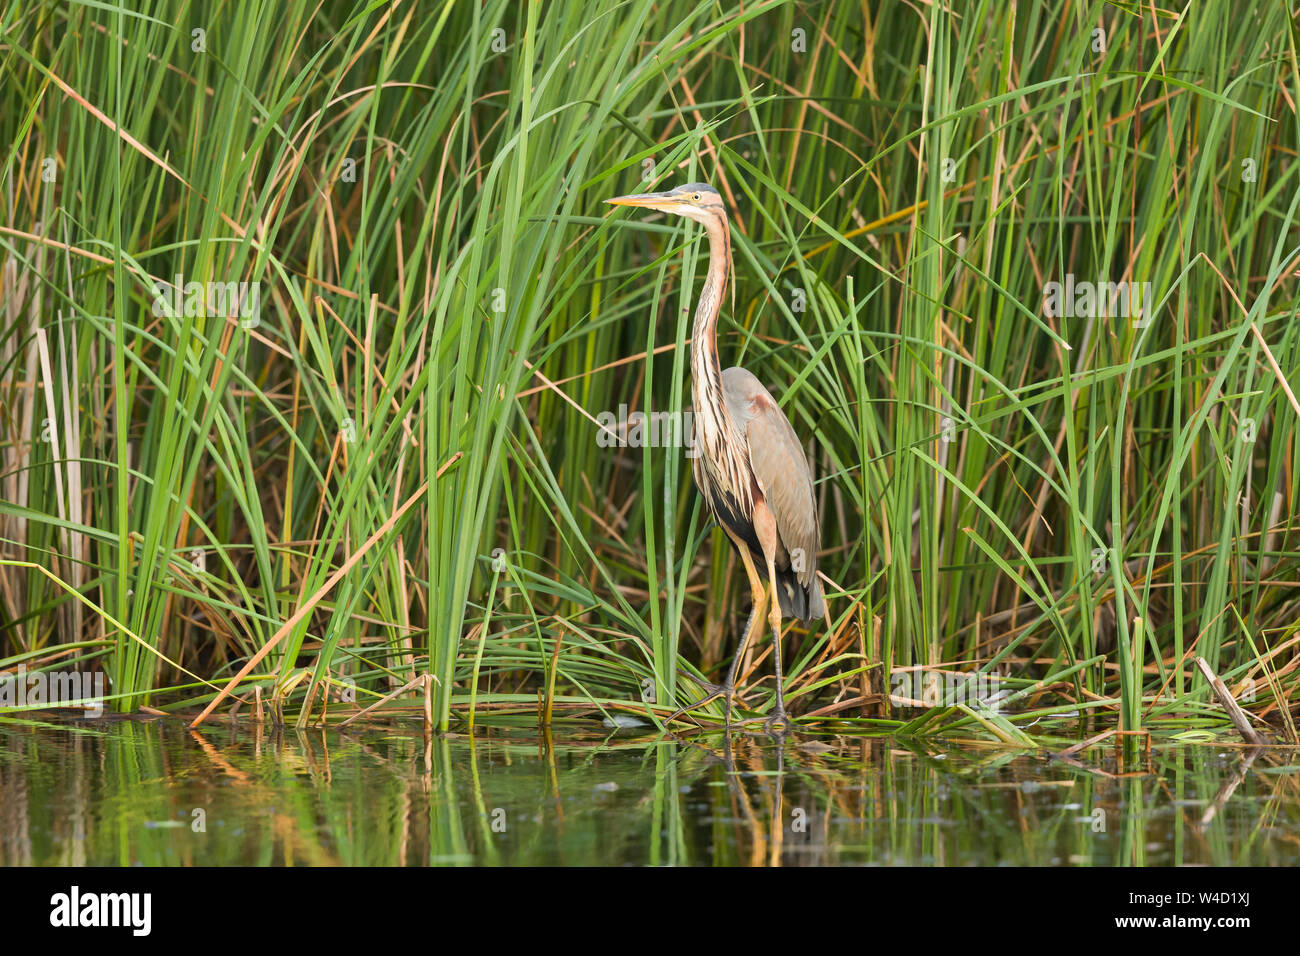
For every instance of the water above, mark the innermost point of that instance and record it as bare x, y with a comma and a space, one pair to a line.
154, 793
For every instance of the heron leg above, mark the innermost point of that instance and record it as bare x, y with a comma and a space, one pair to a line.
755, 622
778, 723
765, 526
728, 689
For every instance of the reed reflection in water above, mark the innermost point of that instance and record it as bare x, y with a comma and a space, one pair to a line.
156, 793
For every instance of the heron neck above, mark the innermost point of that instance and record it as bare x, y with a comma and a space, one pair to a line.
706, 370
715, 431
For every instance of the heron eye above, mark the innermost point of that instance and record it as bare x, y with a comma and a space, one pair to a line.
696, 197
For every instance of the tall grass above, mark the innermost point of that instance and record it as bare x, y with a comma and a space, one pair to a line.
393, 469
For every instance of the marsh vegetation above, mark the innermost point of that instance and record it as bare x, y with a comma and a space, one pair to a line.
390, 473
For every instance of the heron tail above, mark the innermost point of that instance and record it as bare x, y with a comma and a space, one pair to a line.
806, 604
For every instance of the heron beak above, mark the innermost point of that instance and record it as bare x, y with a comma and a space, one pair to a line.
645, 201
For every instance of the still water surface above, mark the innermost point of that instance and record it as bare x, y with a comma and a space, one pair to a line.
155, 793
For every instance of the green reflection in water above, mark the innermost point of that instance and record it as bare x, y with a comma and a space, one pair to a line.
155, 793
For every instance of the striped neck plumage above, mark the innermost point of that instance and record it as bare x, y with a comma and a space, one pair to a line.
705, 367
714, 428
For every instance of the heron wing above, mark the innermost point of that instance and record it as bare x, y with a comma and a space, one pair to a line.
781, 469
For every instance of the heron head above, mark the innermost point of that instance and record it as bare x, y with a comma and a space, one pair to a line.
698, 201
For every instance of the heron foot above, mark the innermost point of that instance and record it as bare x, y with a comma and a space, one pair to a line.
714, 692
725, 691
778, 725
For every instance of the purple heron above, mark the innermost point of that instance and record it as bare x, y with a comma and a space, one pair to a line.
751, 469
